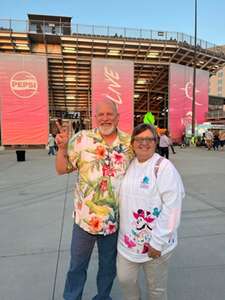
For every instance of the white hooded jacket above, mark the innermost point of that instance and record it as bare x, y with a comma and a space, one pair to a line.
150, 208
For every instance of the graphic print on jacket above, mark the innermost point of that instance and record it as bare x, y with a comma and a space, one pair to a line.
140, 234
145, 182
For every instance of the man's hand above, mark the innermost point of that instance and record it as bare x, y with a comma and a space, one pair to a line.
62, 164
62, 137
153, 253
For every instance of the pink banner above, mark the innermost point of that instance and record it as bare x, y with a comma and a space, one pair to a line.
114, 79
24, 99
180, 98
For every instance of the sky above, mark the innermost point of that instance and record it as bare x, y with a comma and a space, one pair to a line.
160, 15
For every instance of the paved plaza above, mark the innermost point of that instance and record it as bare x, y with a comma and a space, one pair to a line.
32, 198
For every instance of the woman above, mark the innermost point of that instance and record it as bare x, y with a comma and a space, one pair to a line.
150, 205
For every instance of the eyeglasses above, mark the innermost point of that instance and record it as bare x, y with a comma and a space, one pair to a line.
141, 140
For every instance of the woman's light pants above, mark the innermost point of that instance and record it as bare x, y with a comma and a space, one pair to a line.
156, 273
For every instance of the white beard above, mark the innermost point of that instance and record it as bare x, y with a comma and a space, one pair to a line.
105, 130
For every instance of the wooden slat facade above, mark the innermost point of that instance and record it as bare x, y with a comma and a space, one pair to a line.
69, 65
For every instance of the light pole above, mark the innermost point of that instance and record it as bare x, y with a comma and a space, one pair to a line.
194, 73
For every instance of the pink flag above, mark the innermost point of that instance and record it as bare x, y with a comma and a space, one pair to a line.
181, 95
114, 80
24, 99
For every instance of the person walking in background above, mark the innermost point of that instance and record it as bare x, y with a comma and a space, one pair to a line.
216, 141
82, 125
78, 125
51, 145
209, 139
171, 142
164, 143
55, 145
77, 128
101, 157
150, 201
222, 139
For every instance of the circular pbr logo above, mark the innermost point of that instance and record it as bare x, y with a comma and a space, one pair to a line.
23, 84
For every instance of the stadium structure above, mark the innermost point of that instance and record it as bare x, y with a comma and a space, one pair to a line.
70, 48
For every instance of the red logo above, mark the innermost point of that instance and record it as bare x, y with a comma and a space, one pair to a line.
23, 84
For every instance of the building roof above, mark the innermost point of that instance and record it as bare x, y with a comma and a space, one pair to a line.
48, 18
69, 60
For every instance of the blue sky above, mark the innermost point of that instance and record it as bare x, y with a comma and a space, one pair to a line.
163, 15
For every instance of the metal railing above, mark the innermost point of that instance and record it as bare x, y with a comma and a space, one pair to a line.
219, 114
61, 28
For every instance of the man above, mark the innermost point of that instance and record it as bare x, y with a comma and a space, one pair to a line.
101, 157
164, 143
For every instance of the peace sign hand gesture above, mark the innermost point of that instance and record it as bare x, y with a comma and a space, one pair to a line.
62, 138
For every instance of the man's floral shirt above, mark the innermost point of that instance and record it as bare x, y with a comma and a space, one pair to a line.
100, 169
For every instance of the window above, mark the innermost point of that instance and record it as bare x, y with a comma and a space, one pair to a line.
220, 82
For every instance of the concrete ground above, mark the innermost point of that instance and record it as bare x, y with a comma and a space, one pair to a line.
32, 198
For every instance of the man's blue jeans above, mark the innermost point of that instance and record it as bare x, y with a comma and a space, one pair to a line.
81, 248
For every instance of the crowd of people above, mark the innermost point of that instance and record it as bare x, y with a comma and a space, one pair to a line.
127, 201
214, 139
211, 139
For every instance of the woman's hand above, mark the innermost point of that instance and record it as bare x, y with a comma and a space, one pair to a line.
153, 253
